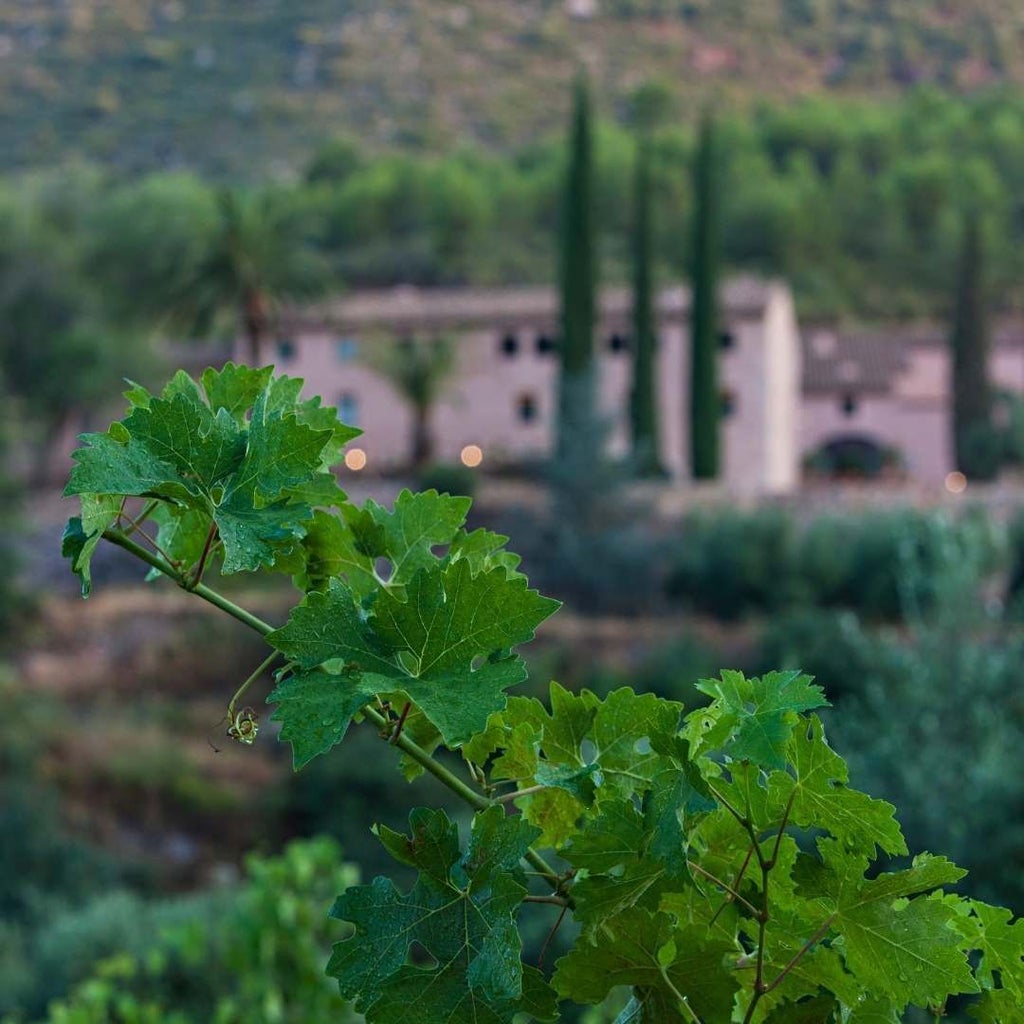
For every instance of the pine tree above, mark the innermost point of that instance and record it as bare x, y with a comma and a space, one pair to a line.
577, 434
643, 409
705, 404
975, 443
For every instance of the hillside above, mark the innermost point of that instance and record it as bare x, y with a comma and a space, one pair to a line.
249, 88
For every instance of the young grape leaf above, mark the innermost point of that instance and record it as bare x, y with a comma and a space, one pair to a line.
663, 963
243, 475
754, 718
461, 910
83, 533
234, 388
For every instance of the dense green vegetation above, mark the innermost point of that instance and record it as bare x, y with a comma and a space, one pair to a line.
719, 865
860, 206
246, 92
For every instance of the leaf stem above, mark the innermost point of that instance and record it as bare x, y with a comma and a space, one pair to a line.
744, 821
801, 953
507, 798
550, 936
197, 575
134, 524
733, 894
684, 1003
164, 565
240, 692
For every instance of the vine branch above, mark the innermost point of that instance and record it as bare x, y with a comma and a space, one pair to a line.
406, 745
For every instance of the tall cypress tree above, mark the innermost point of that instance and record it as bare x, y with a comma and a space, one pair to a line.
643, 409
974, 442
577, 435
705, 403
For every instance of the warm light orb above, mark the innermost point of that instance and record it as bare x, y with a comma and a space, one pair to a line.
472, 455
355, 459
956, 482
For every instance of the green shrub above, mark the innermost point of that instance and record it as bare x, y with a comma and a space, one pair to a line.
730, 563
449, 478
232, 957
733, 563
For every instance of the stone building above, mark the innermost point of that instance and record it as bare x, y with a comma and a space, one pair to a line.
788, 399
890, 388
502, 396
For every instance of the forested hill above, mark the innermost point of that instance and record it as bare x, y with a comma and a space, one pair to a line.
248, 88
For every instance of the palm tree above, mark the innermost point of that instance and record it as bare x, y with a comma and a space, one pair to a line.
173, 253
419, 370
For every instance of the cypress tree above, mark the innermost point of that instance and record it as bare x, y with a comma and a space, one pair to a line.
577, 435
643, 410
705, 404
975, 444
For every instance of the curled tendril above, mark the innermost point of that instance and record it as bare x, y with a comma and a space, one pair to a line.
244, 726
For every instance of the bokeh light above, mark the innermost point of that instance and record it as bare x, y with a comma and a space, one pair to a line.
472, 455
956, 482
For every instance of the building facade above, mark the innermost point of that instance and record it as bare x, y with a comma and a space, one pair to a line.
503, 391
790, 400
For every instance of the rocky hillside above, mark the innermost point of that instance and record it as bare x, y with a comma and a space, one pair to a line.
250, 88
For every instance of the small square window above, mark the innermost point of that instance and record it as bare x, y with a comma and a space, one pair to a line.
726, 339
285, 349
509, 346
348, 408
526, 408
545, 344
850, 405
618, 343
346, 349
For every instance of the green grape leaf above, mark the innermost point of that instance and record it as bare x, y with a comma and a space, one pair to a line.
83, 534
578, 782
660, 961
425, 642
908, 950
316, 707
821, 799
331, 548
597, 898
235, 388
615, 837
417, 523
874, 1011
461, 910
996, 1006
484, 550
622, 734
1002, 947
754, 718
245, 474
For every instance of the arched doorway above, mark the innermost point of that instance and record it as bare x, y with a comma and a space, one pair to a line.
851, 456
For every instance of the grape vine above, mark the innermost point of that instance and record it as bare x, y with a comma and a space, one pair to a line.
716, 863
